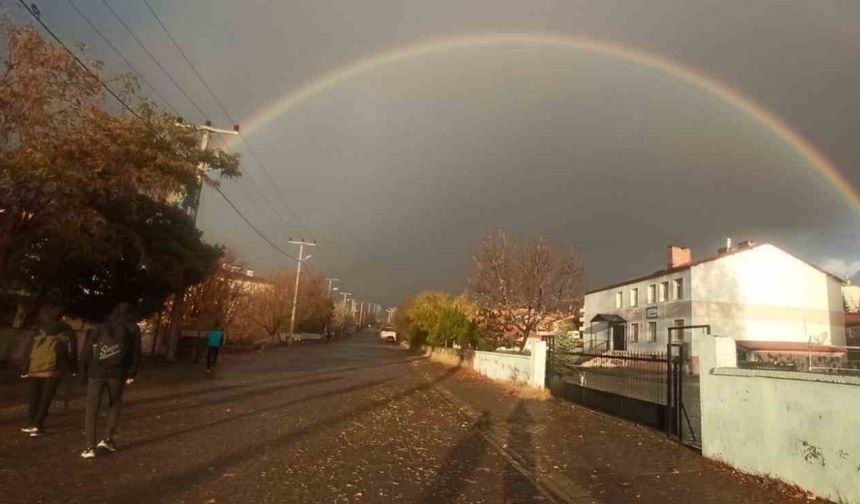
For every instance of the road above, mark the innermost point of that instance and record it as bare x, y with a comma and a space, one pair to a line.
352, 421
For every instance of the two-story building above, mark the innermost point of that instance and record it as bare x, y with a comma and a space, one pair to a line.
754, 293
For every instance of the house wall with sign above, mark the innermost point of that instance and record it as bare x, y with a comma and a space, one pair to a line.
754, 293
649, 307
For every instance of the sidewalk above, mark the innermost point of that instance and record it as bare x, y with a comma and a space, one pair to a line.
578, 455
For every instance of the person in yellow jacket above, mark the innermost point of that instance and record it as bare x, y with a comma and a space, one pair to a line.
50, 353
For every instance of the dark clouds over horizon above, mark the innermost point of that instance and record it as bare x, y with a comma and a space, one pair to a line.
399, 172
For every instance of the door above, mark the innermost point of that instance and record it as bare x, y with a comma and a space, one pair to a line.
619, 337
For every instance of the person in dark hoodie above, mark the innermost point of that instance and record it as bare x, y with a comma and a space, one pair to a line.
109, 361
49, 354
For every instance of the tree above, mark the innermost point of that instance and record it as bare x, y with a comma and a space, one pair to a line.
454, 326
87, 196
519, 286
271, 308
219, 299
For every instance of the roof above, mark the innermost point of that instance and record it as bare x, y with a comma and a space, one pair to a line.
788, 346
608, 317
689, 265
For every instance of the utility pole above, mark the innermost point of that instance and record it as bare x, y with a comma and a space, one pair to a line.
191, 204
299, 262
361, 315
343, 310
330, 281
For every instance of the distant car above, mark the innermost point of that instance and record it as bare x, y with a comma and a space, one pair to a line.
388, 334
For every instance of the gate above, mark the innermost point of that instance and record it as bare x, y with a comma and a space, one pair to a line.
629, 384
683, 382
651, 388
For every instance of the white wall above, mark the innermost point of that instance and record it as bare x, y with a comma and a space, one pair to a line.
765, 294
520, 369
851, 293
801, 428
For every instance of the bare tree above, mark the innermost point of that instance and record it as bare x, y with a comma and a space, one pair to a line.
219, 298
270, 308
520, 286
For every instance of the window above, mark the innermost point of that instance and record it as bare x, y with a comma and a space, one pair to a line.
619, 299
634, 297
652, 293
679, 288
678, 335
634, 333
663, 292
652, 331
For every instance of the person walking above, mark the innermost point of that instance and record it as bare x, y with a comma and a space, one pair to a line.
215, 339
49, 355
109, 361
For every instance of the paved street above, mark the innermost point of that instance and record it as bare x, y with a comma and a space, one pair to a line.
352, 421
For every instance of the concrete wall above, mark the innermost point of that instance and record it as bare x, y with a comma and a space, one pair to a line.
801, 428
766, 294
528, 370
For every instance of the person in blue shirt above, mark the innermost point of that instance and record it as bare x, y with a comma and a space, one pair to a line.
214, 341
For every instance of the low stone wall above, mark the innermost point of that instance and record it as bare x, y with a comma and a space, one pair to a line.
798, 427
521, 369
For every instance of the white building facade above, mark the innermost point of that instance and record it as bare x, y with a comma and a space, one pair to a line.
752, 293
851, 295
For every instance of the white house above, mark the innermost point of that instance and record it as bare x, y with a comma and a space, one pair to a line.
754, 293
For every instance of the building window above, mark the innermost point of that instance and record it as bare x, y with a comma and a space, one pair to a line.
652, 291
663, 292
619, 299
634, 333
678, 287
652, 331
678, 335
634, 297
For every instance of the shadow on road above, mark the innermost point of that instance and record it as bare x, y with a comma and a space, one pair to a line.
76, 412
157, 490
517, 487
462, 461
256, 411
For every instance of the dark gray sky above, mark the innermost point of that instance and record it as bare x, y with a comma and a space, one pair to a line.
398, 172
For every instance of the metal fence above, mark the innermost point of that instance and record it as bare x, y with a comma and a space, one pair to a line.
634, 385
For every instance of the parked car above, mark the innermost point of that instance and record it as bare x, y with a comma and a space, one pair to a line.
388, 334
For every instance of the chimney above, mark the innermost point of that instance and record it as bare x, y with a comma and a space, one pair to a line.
677, 256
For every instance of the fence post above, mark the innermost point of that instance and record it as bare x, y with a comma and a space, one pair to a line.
538, 364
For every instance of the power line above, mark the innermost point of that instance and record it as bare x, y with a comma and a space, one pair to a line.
143, 121
227, 114
278, 222
264, 237
154, 59
121, 56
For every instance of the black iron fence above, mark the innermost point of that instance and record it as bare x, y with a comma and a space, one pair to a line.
646, 387
630, 384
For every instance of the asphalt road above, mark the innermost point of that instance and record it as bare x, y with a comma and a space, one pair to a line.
350, 421
355, 420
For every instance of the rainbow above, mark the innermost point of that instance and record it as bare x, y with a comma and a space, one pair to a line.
731, 96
